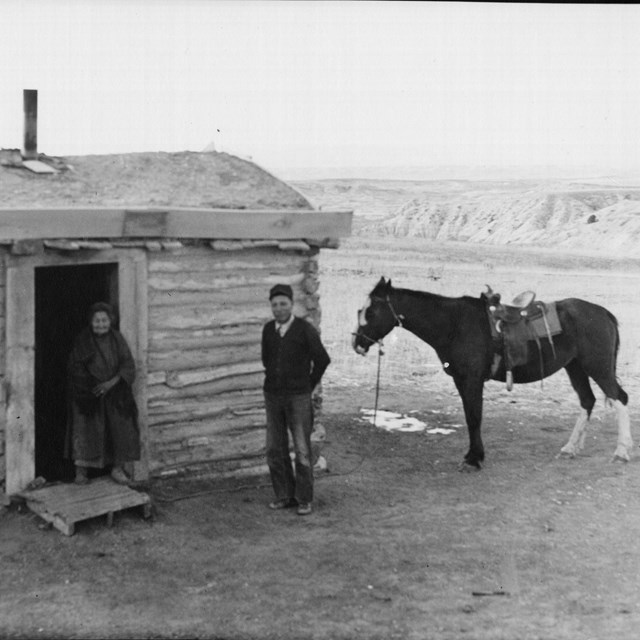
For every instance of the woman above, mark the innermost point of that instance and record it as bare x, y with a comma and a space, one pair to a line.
102, 427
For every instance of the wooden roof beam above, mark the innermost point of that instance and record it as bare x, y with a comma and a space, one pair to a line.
235, 224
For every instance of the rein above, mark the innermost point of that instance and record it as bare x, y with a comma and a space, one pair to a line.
398, 318
375, 406
380, 354
362, 335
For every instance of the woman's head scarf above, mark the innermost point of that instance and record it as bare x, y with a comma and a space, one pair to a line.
102, 306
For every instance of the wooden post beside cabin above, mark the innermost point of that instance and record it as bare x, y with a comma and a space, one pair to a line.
186, 247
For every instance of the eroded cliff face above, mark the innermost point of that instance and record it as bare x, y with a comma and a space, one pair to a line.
545, 213
537, 216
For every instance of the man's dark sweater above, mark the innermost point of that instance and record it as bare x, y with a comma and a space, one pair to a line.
294, 363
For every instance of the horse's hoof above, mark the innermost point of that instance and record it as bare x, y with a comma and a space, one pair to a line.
566, 455
468, 467
619, 458
621, 454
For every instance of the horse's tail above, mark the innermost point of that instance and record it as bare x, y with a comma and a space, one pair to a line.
622, 394
614, 322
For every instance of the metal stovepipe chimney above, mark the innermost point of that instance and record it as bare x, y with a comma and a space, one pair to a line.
30, 147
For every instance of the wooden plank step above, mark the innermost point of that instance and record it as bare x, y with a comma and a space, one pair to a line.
67, 494
63, 505
106, 505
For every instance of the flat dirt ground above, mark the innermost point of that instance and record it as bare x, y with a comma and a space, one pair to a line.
401, 544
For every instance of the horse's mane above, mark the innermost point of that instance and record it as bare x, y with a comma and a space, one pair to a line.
416, 293
428, 295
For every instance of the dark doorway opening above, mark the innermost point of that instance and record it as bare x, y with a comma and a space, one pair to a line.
63, 296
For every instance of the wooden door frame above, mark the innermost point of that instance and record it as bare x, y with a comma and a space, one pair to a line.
20, 351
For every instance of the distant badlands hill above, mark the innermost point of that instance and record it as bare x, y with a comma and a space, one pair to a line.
597, 215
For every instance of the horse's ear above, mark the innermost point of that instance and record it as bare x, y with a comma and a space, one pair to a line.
376, 291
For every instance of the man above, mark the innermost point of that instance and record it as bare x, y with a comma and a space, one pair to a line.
294, 361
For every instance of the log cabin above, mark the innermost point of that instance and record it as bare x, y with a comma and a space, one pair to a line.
185, 246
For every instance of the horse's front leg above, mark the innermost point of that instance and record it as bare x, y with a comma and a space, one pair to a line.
576, 439
471, 389
580, 382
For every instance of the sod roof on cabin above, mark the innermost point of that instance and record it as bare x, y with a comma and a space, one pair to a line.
155, 180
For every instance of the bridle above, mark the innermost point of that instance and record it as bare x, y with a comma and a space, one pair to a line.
366, 337
398, 317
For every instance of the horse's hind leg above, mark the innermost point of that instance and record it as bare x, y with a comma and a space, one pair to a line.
580, 382
625, 441
617, 398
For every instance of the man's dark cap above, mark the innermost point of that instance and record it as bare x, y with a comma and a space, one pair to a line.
281, 290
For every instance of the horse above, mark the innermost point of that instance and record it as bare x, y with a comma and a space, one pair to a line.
459, 331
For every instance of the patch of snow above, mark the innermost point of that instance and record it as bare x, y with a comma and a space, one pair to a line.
391, 421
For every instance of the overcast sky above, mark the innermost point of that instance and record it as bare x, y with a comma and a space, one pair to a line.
297, 84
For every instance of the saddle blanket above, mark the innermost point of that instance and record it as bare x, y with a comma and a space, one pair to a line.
543, 324
547, 323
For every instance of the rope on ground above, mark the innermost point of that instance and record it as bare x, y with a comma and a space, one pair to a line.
206, 492
329, 474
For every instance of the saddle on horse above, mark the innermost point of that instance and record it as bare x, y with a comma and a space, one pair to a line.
515, 325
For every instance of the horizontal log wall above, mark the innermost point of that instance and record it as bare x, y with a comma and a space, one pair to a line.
207, 306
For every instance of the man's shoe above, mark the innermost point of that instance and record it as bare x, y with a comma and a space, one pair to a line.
283, 503
304, 509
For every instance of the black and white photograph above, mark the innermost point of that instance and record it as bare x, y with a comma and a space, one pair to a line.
319, 320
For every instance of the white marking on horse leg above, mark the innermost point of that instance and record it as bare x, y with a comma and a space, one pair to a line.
576, 440
625, 441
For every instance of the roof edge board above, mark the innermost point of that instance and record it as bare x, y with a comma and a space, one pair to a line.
101, 222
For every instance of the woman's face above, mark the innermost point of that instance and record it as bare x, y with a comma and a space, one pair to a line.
100, 322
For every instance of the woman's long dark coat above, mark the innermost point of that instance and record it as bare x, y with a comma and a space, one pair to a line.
102, 429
